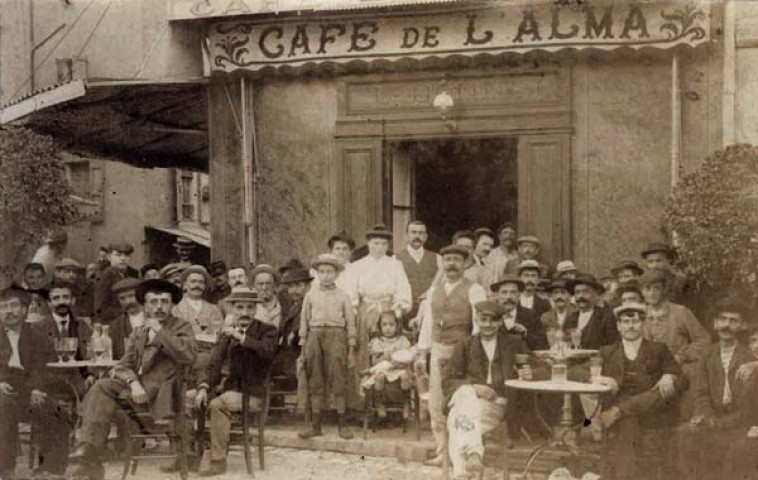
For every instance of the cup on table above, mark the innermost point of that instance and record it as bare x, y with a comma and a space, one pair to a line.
576, 337
596, 367
70, 346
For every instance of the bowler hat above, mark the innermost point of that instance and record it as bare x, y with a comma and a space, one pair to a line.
184, 243
556, 284
455, 250
627, 265
656, 247
627, 306
529, 265
217, 268
157, 285
296, 275
490, 308
243, 294
731, 305
585, 279
508, 278
379, 230
127, 283
197, 269
266, 268
327, 259
528, 239
341, 236
652, 276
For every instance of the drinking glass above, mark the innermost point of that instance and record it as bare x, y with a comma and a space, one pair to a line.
596, 366
60, 349
72, 344
521, 361
559, 372
98, 351
576, 338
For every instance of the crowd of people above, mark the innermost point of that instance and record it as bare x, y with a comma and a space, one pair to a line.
457, 323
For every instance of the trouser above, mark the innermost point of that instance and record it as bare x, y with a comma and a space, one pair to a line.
440, 356
53, 428
221, 409
326, 366
470, 418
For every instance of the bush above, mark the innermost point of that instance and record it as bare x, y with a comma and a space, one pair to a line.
713, 215
34, 192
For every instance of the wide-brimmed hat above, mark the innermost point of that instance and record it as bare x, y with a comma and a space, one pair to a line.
585, 279
379, 230
627, 265
243, 294
327, 259
565, 266
528, 239
127, 283
69, 264
341, 236
217, 268
158, 285
629, 306
266, 268
508, 278
456, 250
529, 265
296, 275
557, 283
197, 269
490, 307
655, 247
126, 248
731, 305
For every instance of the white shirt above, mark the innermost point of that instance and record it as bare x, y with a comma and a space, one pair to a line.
632, 348
726, 358
137, 320
526, 301
509, 319
584, 318
489, 349
418, 255
62, 324
476, 294
196, 304
561, 317
378, 279
13, 337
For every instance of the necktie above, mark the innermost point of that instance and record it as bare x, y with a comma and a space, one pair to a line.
727, 399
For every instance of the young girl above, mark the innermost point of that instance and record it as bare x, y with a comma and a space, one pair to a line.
391, 357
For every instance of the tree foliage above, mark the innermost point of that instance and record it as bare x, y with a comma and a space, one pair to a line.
713, 214
34, 193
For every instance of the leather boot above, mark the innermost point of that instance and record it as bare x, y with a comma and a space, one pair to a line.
315, 430
342, 429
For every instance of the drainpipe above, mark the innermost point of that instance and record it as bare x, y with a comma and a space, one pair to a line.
32, 48
728, 103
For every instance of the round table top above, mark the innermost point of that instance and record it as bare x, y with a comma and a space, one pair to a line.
551, 386
570, 353
83, 364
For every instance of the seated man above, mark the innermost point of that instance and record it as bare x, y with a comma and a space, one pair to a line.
24, 387
144, 377
239, 361
645, 381
131, 317
725, 406
475, 380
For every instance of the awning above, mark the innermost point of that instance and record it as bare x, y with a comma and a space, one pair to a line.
253, 43
143, 123
197, 235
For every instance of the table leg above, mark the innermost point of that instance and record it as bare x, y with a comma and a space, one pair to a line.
565, 433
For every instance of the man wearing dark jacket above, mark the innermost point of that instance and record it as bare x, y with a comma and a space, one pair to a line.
596, 324
239, 361
530, 272
106, 304
518, 320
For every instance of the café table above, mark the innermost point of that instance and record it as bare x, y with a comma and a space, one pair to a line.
564, 435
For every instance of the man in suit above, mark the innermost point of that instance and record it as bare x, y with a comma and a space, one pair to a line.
596, 324
421, 266
530, 272
239, 361
297, 281
205, 318
485, 242
562, 308
645, 382
221, 288
106, 304
518, 320
132, 315
726, 406
143, 379
475, 389
26, 386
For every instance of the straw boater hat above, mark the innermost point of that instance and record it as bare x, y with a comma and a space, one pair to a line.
327, 259
455, 249
565, 266
657, 247
184, 243
158, 285
585, 279
379, 230
197, 269
341, 236
243, 294
508, 278
627, 265
629, 306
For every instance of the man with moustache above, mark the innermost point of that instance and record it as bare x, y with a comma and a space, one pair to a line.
239, 362
562, 308
726, 405
106, 305
205, 318
645, 380
266, 282
530, 272
132, 315
142, 380
517, 320
26, 386
505, 258
421, 266
484, 242
473, 271
594, 323
62, 322
70, 271
449, 319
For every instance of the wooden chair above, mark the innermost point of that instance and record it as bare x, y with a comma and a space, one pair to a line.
411, 403
175, 432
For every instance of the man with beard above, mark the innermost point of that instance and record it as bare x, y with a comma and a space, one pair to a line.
645, 380
221, 285
421, 265
725, 405
239, 362
517, 320
205, 318
266, 281
25, 388
505, 258
106, 305
473, 271
594, 324
530, 272
484, 241
70, 271
131, 318
562, 308
448, 320
142, 380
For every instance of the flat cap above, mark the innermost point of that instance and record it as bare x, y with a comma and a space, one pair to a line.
658, 247
508, 278
627, 265
127, 283
629, 306
455, 250
489, 308
528, 239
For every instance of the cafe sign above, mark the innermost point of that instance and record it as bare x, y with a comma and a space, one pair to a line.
256, 44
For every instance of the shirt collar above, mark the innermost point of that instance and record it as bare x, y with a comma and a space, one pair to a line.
632, 344
327, 288
60, 319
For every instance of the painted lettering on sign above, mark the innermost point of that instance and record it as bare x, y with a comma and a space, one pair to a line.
254, 45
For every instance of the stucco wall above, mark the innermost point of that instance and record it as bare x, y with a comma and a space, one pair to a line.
746, 75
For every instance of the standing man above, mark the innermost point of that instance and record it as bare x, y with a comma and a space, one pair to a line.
266, 283
505, 258
474, 272
595, 324
421, 265
106, 304
221, 288
660, 258
205, 318
25, 385
131, 318
239, 362
484, 242
143, 378
530, 272
449, 320
627, 271
518, 320
298, 282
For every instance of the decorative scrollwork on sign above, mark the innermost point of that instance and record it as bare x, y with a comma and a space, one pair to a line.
683, 23
234, 46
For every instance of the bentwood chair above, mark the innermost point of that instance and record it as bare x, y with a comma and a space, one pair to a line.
175, 431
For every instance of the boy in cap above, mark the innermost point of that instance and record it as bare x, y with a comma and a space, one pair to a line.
328, 333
